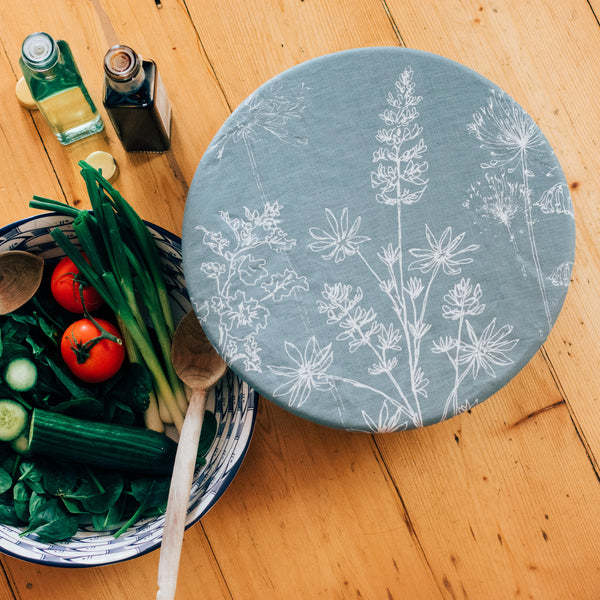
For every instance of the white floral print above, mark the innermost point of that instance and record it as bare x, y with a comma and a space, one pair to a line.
395, 347
360, 293
512, 138
242, 314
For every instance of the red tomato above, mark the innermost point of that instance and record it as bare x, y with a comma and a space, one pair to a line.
65, 285
87, 353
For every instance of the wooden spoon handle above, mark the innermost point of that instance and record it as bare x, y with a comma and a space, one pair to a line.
179, 496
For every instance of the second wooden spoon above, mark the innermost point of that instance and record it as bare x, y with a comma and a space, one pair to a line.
199, 367
20, 277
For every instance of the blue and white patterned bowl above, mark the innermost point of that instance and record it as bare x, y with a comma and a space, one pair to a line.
232, 401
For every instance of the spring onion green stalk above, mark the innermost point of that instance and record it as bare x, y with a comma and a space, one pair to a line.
124, 267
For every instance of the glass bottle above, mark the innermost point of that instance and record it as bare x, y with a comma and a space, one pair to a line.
56, 86
136, 102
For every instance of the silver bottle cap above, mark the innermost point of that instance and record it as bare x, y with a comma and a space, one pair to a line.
121, 63
39, 51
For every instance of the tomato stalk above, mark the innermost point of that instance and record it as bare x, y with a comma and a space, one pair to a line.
82, 350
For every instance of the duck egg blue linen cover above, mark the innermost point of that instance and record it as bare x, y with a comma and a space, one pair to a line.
378, 239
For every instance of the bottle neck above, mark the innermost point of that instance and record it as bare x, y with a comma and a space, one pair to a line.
40, 52
123, 69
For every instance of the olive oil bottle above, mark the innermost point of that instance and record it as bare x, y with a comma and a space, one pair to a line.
57, 88
136, 101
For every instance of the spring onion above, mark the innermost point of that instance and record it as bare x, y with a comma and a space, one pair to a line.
124, 267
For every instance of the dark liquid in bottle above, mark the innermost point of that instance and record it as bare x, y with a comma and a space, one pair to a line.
141, 118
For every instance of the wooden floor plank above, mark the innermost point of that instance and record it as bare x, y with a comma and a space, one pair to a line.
331, 523
134, 579
503, 491
91, 30
278, 39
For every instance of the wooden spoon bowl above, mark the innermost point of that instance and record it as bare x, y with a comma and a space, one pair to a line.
20, 277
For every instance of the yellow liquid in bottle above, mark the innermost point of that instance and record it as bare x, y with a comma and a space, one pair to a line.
67, 110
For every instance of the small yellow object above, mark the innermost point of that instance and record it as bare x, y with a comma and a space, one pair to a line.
104, 162
24, 95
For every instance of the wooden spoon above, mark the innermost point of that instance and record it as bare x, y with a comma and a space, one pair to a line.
20, 277
199, 367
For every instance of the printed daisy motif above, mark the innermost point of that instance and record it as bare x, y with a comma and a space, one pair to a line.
441, 253
387, 421
341, 241
307, 373
487, 350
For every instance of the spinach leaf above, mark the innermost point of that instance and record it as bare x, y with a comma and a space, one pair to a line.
111, 518
86, 407
101, 502
36, 502
5, 481
151, 495
8, 515
21, 495
51, 523
127, 394
59, 479
151, 492
32, 474
207, 434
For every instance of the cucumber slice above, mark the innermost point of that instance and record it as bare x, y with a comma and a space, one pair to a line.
21, 374
13, 420
21, 444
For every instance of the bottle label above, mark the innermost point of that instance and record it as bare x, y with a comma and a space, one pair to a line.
163, 105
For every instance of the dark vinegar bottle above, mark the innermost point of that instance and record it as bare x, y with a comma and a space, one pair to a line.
136, 102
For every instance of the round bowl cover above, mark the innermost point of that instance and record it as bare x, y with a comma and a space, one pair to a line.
378, 239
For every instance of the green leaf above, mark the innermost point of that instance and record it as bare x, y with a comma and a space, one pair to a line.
21, 494
8, 515
129, 389
59, 480
113, 484
86, 407
72, 506
36, 502
207, 434
85, 489
151, 492
110, 519
74, 387
32, 474
5, 481
51, 523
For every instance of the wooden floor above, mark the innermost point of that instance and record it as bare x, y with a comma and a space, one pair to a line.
502, 502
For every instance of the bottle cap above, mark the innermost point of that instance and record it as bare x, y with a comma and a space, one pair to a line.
39, 51
24, 95
105, 163
121, 63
